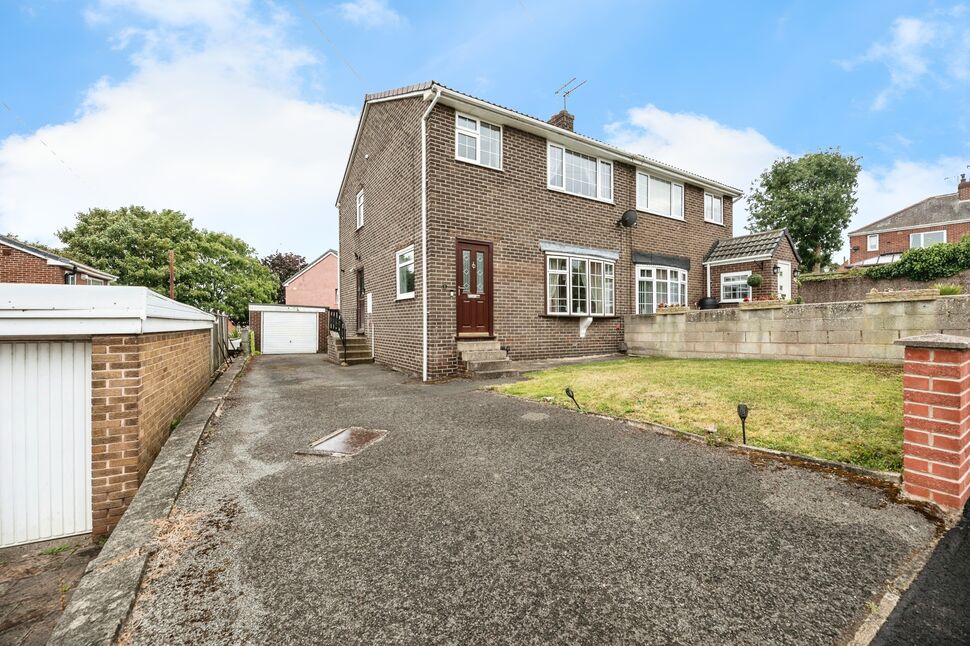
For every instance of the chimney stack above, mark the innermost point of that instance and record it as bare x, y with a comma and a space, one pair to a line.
963, 189
565, 120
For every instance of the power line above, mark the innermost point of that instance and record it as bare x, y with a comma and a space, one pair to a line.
49, 148
343, 59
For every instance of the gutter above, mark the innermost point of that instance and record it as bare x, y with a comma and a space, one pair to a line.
424, 226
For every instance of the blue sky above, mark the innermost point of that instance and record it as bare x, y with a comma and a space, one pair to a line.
241, 112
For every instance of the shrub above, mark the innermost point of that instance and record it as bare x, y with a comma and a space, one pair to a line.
949, 289
755, 280
939, 261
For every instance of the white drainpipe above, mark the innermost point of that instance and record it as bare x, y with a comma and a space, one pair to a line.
708, 281
424, 229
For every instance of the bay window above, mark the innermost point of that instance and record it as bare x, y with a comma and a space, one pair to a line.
660, 196
579, 286
656, 286
579, 174
734, 287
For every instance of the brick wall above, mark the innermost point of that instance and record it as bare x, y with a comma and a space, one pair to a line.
852, 332
936, 435
855, 288
898, 241
769, 285
255, 328
17, 266
317, 286
512, 209
139, 385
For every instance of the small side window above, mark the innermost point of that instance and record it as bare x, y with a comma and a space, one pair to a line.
360, 209
872, 242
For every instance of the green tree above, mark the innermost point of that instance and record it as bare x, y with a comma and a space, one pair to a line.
213, 271
283, 265
813, 197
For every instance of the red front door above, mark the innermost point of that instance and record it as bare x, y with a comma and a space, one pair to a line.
473, 264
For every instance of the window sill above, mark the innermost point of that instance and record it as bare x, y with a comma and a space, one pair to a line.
580, 316
720, 224
477, 163
405, 297
556, 189
661, 215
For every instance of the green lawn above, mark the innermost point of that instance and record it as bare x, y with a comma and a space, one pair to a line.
845, 412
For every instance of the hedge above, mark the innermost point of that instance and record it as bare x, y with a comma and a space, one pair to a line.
928, 263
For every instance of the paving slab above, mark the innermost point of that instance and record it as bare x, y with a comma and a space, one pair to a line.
481, 518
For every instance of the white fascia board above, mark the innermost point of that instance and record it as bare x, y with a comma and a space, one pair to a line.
578, 142
263, 307
734, 261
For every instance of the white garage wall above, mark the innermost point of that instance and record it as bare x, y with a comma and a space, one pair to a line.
45, 440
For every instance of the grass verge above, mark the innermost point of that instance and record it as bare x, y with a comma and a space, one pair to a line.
845, 412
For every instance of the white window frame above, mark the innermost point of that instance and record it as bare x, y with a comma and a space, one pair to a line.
643, 180
872, 242
711, 217
94, 281
71, 279
682, 273
397, 272
360, 208
477, 136
609, 275
603, 194
922, 237
734, 274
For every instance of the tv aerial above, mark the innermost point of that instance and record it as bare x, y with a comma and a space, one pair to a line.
568, 88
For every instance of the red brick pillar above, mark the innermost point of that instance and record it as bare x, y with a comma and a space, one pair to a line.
936, 419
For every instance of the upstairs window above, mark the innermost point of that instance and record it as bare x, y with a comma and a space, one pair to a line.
360, 209
660, 286
927, 239
660, 196
580, 174
478, 142
734, 287
872, 242
405, 273
713, 211
579, 286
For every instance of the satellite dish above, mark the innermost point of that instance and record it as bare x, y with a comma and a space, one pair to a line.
629, 219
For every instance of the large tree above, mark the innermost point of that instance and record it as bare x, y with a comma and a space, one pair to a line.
213, 271
283, 265
813, 197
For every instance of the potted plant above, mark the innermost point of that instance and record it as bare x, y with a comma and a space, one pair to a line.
761, 303
663, 309
755, 280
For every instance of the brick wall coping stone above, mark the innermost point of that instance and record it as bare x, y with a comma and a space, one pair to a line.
106, 593
941, 341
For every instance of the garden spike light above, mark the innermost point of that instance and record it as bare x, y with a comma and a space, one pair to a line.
569, 393
743, 414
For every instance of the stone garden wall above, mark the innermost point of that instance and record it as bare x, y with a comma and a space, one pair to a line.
855, 331
855, 288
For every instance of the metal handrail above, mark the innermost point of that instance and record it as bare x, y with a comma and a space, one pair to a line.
336, 324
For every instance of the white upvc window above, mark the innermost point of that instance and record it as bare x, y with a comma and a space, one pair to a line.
360, 209
657, 285
578, 286
926, 239
660, 196
478, 142
872, 242
70, 279
713, 209
405, 273
579, 174
94, 281
734, 287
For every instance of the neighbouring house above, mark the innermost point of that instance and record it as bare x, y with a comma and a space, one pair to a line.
943, 218
732, 261
24, 263
471, 234
316, 284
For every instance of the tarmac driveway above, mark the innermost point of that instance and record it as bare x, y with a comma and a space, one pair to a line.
480, 518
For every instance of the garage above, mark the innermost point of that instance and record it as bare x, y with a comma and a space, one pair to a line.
289, 329
45, 440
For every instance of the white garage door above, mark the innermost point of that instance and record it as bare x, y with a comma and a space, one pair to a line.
289, 332
45, 440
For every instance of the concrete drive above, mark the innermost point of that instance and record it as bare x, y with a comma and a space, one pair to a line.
480, 518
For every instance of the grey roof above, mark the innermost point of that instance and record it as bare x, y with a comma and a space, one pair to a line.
647, 258
56, 259
753, 245
939, 209
427, 85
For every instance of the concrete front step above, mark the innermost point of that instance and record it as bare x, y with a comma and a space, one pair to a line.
484, 355
483, 366
352, 361
478, 346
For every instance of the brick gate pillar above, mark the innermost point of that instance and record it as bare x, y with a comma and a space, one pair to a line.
936, 419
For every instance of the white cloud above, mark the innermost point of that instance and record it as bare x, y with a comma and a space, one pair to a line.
738, 156
935, 47
211, 123
370, 13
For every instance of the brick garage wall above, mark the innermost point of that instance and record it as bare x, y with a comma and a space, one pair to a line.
139, 385
255, 328
323, 331
898, 241
851, 332
855, 288
19, 267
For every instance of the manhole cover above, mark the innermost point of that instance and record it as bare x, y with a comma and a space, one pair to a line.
345, 442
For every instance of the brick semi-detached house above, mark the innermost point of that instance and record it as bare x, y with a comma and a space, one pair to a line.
24, 263
943, 218
316, 284
471, 234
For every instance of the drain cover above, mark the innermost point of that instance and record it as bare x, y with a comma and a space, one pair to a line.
345, 442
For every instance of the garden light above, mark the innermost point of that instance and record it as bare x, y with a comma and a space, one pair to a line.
569, 393
743, 414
